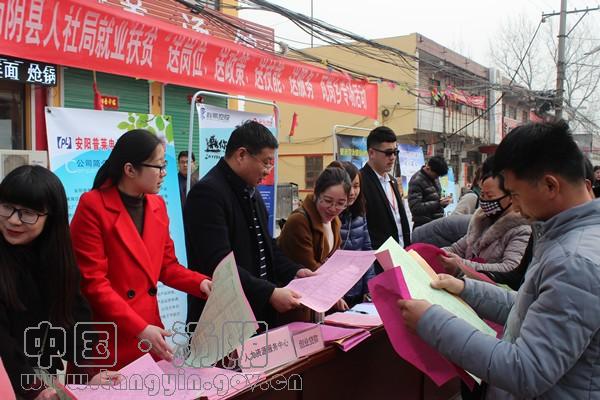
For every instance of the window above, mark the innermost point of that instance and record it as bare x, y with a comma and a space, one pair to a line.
525, 116
512, 112
313, 165
12, 115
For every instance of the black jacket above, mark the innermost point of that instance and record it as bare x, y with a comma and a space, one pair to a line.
380, 218
424, 196
218, 219
31, 284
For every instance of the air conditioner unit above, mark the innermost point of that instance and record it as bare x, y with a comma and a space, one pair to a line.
11, 159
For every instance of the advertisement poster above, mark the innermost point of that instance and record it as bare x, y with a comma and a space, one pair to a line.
80, 141
352, 149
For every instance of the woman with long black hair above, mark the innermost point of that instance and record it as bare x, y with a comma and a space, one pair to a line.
40, 301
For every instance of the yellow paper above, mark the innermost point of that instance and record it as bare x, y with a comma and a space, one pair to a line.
227, 320
418, 281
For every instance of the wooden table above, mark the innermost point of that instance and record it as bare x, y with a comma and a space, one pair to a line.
371, 370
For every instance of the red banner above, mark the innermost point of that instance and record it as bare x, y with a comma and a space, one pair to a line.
85, 34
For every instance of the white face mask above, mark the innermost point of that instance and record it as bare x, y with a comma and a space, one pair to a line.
493, 207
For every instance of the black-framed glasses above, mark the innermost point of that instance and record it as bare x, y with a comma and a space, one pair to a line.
388, 153
26, 215
162, 168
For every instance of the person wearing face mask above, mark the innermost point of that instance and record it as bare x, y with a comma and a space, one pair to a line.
497, 235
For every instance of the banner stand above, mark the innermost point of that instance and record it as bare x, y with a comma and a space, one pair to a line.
239, 98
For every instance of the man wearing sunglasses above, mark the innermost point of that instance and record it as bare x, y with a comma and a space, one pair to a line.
385, 211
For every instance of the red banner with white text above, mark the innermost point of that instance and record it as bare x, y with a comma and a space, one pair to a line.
84, 34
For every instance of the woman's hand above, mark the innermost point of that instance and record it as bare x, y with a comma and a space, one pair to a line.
106, 378
451, 262
152, 339
206, 287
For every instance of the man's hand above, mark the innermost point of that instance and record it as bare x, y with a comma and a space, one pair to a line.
341, 305
304, 273
449, 284
412, 311
451, 262
445, 201
153, 337
284, 299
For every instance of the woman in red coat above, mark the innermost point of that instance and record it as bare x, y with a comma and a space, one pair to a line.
121, 238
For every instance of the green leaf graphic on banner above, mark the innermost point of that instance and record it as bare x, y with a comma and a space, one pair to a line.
169, 133
131, 118
160, 124
151, 130
123, 125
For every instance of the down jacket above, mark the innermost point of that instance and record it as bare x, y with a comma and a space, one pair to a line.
424, 196
500, 243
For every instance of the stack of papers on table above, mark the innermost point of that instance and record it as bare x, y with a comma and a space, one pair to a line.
146, 379
353, 319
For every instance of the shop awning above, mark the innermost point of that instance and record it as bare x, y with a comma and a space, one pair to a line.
85, 34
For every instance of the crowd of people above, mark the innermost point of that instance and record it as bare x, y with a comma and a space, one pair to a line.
528, 221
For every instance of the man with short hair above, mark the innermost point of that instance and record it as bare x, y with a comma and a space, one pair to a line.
425, 192
224, 212
551, 336
182, 167
386, 216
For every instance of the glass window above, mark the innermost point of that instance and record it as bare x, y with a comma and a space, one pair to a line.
12, 115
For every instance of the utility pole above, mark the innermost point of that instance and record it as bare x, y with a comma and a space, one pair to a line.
560, 60
311, 24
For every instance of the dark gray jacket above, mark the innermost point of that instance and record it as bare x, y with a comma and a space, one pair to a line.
424, 196
551, 343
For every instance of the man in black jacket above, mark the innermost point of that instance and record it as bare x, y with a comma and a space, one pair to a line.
425, 193
224, 212
385, 211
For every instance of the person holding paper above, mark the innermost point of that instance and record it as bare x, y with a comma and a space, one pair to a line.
354, 231
497, 235
386, 216
551, 336
225, 212
39, 285
123, 247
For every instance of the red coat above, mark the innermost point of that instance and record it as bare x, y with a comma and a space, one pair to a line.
120, 269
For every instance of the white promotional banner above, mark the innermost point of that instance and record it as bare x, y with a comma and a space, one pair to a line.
80, 141
215, 127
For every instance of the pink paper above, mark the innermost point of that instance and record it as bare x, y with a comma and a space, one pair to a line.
351, 342
216, 383
385, 260
353, 319
429, 253
386, 289
333, 279
6, 390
